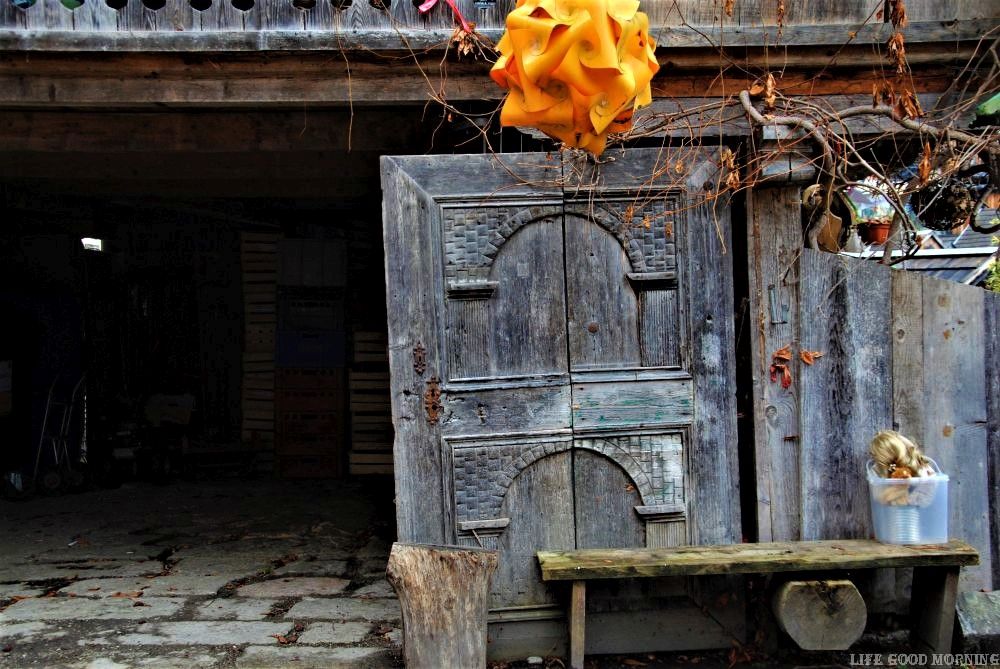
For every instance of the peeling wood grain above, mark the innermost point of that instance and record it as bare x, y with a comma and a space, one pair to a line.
759, 558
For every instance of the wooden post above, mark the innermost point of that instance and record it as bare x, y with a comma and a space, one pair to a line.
444, 594
821, 615
932, 605
577, 624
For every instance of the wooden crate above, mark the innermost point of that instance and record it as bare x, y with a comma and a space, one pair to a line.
309, 379
370, 410
298, 424
370, 463
307, 466
370, 347
319, 399
258, 262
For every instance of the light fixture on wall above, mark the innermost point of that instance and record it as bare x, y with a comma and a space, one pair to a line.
92, 244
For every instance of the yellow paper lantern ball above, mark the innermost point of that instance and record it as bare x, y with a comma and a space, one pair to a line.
576, 69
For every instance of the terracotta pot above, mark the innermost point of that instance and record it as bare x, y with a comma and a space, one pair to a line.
874, 233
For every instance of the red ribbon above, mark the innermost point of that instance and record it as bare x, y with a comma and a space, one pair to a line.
429, 5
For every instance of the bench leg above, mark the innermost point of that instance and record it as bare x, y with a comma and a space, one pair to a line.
932, 606
577, 624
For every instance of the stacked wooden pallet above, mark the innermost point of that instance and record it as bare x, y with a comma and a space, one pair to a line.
311, 394
259, 260
371, 417
310, 421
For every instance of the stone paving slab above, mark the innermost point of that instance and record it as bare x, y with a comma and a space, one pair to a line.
84, 608
380, 589
267, 657
313, 568
372, 568
376, 547
128, 570
215, 566
34, 628
176, 659
19, 573
9, 590
978, 626
314, 608
294, 587
165, 586
204, 633
235, 608
335, 633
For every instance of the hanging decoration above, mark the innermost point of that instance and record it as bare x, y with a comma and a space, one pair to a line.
427, 6
576, 69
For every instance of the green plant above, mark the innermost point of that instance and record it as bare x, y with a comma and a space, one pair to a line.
993, 273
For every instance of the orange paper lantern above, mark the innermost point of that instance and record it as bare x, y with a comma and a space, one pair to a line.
576, 69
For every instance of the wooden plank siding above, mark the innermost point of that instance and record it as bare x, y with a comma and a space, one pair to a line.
992, 361
681, 23
901, 351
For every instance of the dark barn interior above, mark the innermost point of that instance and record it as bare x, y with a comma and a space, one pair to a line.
184, 302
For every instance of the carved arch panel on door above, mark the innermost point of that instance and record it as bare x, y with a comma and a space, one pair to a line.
504, 299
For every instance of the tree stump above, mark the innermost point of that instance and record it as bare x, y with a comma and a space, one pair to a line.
444, 594
820, 615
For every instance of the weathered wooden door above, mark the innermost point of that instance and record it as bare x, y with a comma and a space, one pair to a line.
561, 349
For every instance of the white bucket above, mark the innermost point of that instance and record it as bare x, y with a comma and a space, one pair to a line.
909, 511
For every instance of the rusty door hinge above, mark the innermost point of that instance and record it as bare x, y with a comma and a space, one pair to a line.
432, 400
419, 359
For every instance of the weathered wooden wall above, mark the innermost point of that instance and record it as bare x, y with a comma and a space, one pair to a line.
901, 351
675, 23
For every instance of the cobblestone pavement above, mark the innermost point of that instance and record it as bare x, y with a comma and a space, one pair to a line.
212, 574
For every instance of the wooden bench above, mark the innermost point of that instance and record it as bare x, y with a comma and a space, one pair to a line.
935, 582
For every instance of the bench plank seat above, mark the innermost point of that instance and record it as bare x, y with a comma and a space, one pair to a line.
935, 575
600, 563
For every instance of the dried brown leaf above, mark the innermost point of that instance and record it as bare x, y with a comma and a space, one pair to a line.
131, 594
809, 357
770, 91
783, 353
908, 106
924, 168
786, 378
629, 662
897, 13
896, 46
728, 7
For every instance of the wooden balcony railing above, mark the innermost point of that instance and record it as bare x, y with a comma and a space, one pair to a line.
193, 25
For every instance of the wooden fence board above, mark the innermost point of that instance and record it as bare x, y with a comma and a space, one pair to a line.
991, 361
843, 398
954, 402
902, 351
775, 242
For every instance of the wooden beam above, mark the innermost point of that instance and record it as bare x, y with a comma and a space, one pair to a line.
600, 563
577, 624
208, 132
323, 79
407, 38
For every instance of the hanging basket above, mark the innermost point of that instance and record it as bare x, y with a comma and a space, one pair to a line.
944, 205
